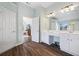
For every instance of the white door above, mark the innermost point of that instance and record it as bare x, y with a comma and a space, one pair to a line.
35, 29
11, 26
7, 29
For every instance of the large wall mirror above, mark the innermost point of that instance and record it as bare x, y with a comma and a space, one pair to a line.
69, 25
53, 23
63, 25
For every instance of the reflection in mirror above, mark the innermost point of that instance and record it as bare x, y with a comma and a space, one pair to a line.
69, 25
63, 25
73, 25
53, 23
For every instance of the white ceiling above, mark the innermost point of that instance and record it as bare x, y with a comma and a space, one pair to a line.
50, 6
59, 5
39, 4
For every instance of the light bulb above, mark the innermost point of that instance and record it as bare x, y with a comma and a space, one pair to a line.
67, 9
71, 8
53, 14
62, 11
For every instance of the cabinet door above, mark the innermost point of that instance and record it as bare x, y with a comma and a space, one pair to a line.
74, 45
64, 42
45, 38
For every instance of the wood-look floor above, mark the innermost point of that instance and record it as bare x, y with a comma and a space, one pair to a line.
32, 49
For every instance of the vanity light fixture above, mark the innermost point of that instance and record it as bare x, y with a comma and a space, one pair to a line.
51, 14
72, 7
68, 8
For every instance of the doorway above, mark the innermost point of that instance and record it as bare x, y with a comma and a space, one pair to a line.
27, 24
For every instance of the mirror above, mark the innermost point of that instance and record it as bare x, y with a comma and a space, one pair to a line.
73, 25
53, 23
69, 25
63, 25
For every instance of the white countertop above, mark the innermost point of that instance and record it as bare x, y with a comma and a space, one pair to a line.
54, 32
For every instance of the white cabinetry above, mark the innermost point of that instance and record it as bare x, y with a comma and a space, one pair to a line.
69, 43
64, 42
45, 37
74, 44
50, 37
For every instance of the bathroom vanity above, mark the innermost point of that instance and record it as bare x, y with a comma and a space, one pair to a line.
66, 33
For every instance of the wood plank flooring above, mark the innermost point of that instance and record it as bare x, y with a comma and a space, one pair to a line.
32, 49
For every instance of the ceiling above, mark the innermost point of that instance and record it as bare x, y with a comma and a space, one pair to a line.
39, 4
50, 5
59, 5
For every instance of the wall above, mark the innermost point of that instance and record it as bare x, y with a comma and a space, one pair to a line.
23, 11
41, 12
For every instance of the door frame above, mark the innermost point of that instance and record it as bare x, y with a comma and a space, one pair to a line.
39, 30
